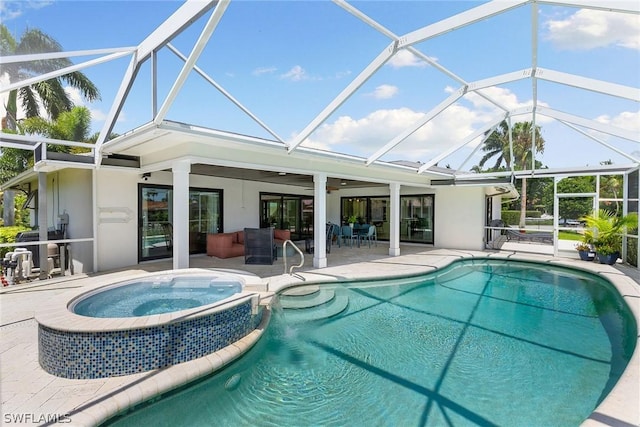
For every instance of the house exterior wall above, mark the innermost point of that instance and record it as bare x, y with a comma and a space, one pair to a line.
71, 194
69, 191
459, 218
117, 223
459, 211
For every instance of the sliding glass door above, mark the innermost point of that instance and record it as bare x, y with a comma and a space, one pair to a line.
155, 235
288, 212
416, 215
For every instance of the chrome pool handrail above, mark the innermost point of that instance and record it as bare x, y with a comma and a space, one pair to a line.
284, 257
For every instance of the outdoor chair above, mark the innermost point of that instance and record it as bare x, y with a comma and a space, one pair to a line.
259, 247
519, 236
347, 235
371, 235
330, 231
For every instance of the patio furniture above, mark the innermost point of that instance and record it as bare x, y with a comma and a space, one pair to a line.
371, 236
259, 247
229, 245
330, 231
521, 236
225, 245
348, 235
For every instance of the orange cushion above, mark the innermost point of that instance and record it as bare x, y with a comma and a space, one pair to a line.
281, 234
240, 237
224, 240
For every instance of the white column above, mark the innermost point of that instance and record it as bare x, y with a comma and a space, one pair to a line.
394, 219
319, 220
43, 228
181, 169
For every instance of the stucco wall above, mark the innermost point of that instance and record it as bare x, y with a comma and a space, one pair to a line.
117, 203
459, 218
459, 211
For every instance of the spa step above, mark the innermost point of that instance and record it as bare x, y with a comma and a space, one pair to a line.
300, 291
332, 308
321, 296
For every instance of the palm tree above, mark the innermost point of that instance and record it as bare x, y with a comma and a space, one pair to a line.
49, 93
497, 145
73, 125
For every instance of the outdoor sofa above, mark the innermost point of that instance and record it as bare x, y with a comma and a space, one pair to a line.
229, 245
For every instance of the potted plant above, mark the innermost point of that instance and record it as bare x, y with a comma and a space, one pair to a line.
585, 251
604, 229
352, 220
607, 253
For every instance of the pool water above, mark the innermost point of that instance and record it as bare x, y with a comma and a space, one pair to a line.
155, 295
480, 343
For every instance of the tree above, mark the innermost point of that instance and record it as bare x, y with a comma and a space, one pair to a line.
576, 207
73, 125
497, 145
49, 93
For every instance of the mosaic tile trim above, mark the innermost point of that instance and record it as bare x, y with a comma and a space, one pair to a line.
84, 355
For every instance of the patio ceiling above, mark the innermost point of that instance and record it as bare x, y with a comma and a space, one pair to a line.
213, 13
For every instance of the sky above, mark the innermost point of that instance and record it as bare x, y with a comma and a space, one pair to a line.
286, 61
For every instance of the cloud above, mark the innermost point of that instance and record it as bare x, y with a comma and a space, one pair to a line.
404, 58
507, 99
264, 70
295, 74
12, 9
590, 29
625, 120
384, 92
365, 135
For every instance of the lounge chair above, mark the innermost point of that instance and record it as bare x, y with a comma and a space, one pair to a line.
520, 236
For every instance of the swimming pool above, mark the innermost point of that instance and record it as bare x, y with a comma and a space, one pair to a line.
478, 343
163, 293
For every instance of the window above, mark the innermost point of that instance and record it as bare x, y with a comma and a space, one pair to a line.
416, 215
155, 234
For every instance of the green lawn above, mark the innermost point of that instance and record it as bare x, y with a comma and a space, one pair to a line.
569, 235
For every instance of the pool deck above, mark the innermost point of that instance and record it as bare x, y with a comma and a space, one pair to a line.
31, 396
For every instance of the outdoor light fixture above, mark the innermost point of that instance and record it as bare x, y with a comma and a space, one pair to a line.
343, 183
282, 173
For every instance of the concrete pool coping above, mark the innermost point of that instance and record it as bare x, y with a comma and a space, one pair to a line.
34, 395
60, 318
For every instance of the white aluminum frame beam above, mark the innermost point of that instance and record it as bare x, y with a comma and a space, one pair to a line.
601, 142
189, 12
385, 31
460, 20
623, 6
417, 125
534, 82
116, 106
226, 94
500, 79
29, 142
55, 55
190, 62
591, 124
488, 129
594, 85
63, 71
355, 84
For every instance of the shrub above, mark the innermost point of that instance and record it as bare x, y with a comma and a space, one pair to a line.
8, 235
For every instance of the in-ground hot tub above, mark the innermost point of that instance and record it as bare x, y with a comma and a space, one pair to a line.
156, 294
148, 322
